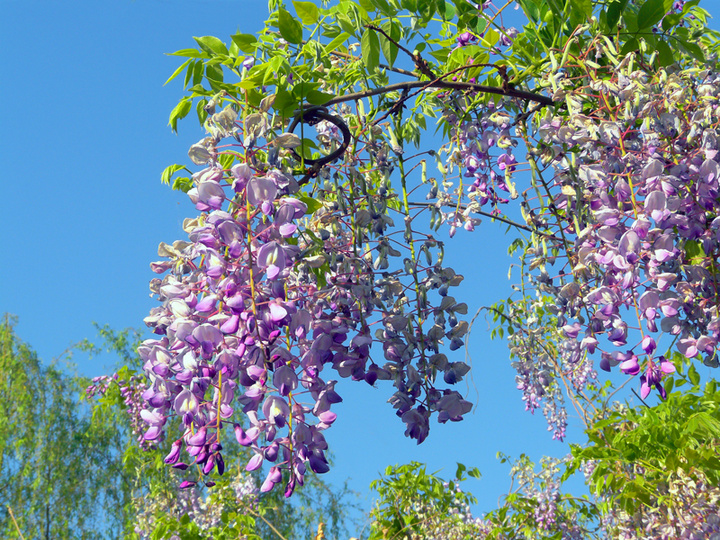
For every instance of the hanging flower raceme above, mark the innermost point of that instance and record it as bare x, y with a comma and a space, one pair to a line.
635, 200
264, 301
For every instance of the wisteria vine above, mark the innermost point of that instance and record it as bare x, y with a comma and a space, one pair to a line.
295, 273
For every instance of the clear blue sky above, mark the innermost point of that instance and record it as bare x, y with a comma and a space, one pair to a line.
83, 141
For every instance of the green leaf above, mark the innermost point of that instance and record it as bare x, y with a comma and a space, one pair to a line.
180, 111
313, 205
197, 73
211, 45
474, 473
214, 72
665, 54
307, 11
614, 10
315, 97
190, 53
389, 49
580, 11
245, 42
168, 173
693, 49
669, 384
629, 46
200, 109
651, 12
290, 29
694, 376
178, 70
531, 9
342, 38
670, 21
694, 249
370, 47
445, 10
367, 5
383, 6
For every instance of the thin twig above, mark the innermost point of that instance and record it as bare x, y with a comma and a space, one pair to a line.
641, 399
17, 528
420, 62
499, 218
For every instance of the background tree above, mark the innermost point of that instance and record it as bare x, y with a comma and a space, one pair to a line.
61, 472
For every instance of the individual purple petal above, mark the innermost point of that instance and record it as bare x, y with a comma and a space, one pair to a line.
299, 208
285, 379
318, 463
327, 417
187, 484
153, 433
185, 402
197, 439
254, 463
277, 310
276, 410
246, 438
211, 194
272, 257
231, 325
666, 366
260, 190
417, 423
656, 206
631, 366
648, 345
644, 387
209, 465
209, 337
207, 304
687, 347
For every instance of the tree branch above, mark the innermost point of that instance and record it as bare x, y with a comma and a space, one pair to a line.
511, 92
499, 218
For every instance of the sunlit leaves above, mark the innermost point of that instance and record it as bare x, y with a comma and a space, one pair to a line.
652, 11
307, 11
211, 45
290, 28
370, 46
245, 42
179, 112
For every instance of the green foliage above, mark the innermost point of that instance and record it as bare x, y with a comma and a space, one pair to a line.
61, 472
636, 450
411, 501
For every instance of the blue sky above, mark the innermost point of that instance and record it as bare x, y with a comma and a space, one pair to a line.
84, 139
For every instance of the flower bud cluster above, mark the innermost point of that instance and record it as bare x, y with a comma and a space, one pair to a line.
693, 514
204, 509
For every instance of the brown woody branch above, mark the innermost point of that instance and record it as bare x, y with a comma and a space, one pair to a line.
470, 87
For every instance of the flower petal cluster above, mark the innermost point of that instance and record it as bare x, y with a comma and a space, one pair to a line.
267, 301
634, 217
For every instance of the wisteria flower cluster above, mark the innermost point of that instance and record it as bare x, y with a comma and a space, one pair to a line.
267, 298
482, 151
634, 217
